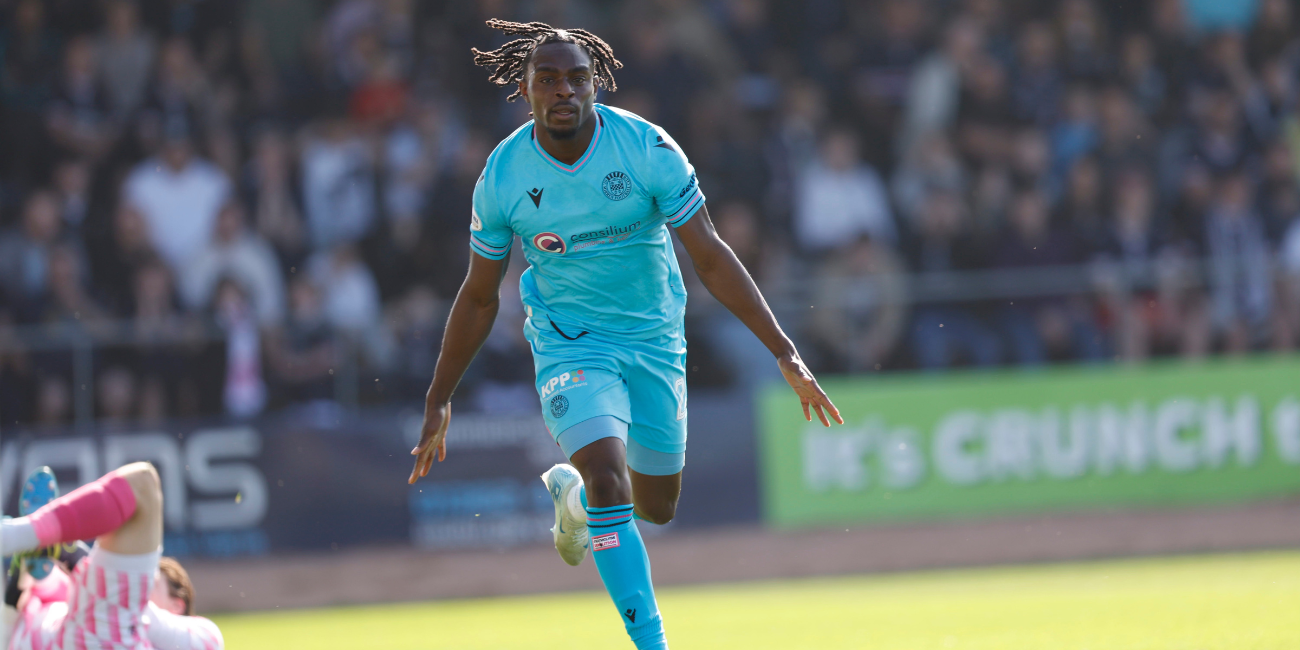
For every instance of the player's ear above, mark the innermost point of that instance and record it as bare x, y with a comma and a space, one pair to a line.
523, 87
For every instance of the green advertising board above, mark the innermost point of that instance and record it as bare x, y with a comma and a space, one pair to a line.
970, 444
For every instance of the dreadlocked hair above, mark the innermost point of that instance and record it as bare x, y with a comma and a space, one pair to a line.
509, 62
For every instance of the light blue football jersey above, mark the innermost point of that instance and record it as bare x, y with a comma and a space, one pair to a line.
595, 233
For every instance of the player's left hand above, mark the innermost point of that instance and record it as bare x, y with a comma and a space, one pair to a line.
433, 439
805, 386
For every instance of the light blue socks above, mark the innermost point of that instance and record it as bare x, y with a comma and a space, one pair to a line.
624, 567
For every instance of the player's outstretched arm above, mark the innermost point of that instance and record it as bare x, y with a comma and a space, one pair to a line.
469, 324
729, 282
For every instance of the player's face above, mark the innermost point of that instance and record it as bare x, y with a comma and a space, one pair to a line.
161, 596
560, 89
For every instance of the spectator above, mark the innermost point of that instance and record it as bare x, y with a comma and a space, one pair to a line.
839, 198
414, 151
1175, 46
1036, 92
944, 332
125, 54
1220, 139
858, 310
1082, 206
1041, 327
25, 253
1270, 99
241, 256
1145, 282
1279, 195
179, 196
1084, 48
118, 261
163, 329
284, 26
892, 42
935, 86
115, 390
70, 300
350, 299
53, 401
31, 54
179, 94
1031, 161
437, 256
338, 183
1121, 134
931, 165
301, 356
984, 120
1075, 133
1241, 285
274, 198
72, 184
79, 116
416, 321
1142, 79
244, 394
348, 291
1273, 32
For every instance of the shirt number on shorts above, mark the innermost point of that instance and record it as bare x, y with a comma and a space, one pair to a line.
679, 389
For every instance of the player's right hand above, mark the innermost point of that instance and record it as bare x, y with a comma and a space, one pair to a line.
433, 439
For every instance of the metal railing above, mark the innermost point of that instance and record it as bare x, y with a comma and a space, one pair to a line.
81, 339
790, 298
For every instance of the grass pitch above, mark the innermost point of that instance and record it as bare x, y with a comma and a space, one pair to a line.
1237, 602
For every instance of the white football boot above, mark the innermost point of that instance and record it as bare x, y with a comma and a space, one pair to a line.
570, 530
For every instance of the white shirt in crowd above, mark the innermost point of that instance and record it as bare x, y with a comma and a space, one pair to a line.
338, 190
251, 262
180, 207
834, 207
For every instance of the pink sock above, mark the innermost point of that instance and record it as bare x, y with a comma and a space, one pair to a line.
87, 512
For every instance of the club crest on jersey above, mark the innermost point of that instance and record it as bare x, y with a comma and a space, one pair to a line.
559, 406
616, 186
549, 242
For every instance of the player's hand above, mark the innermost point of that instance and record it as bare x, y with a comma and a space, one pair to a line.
433, 439
805, 386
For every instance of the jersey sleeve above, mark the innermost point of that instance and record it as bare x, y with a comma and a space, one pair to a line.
672, 179
168, 631
489, 234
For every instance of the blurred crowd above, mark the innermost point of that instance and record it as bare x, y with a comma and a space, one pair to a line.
295, 175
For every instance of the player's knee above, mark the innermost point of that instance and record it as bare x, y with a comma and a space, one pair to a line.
607, 486
146, 486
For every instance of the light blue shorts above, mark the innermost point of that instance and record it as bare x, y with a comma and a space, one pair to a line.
640, 383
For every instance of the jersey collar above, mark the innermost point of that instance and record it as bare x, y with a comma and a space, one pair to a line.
576, 167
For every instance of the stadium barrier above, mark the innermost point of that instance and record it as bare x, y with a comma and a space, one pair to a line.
324, 478
965, 445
